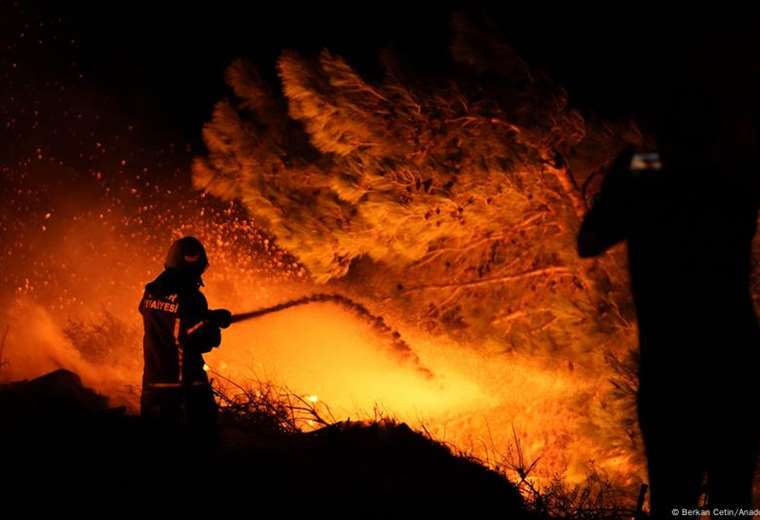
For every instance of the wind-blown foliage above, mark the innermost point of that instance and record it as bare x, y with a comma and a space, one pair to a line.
452, 190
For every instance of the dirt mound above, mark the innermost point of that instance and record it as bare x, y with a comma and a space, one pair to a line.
60, 433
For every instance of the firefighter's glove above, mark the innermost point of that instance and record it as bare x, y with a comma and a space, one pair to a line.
220, 318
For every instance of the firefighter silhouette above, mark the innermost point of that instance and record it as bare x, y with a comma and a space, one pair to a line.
179, 329
688, 213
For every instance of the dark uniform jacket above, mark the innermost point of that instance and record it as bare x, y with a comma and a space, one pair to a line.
177, 331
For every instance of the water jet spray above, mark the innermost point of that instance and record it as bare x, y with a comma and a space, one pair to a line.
400, 347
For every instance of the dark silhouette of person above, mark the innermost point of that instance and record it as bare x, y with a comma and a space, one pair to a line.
179, 329
688, 221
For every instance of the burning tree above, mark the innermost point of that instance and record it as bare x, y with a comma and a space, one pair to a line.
458, 200
441, 194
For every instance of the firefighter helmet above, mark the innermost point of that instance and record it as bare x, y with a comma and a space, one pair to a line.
187, 254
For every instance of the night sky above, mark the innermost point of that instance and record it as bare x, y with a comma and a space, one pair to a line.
161, 67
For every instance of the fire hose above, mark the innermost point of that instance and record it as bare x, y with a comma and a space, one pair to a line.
400, 347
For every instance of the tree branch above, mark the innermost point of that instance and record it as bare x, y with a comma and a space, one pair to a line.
547, 271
